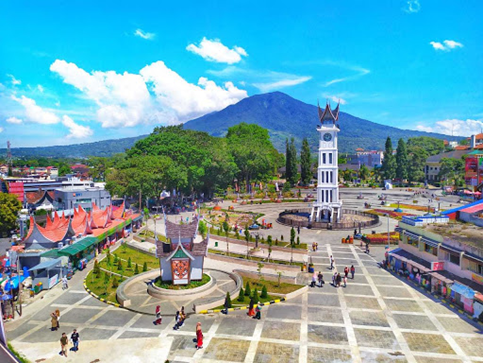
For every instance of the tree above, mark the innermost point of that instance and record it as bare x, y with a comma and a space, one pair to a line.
298, 240
247, 238
63, 169
402, 162
226, 228
115, 282
291, 162
248, 291
389, 162
452, 169
255, 296
228, 300
119, 265
9, 208
363, 172
292, 243
259, 270
431, 145
136, 269
305, 163
96, 270
241, 295
129, 262
145, 266
202, 228
269, 242
264, 293
416, 161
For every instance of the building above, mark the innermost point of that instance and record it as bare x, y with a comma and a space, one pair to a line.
69, 198
181, 258
444, 256
433, 164
370, 158
328, 206
474, 169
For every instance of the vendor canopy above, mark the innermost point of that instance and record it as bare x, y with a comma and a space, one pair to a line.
77, 247
47, 264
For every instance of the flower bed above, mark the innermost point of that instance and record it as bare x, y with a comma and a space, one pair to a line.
392, 214
381, 238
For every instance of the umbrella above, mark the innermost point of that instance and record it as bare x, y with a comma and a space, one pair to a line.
477, 193
6, 297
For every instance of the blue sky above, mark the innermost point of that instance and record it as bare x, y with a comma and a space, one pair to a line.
79, 71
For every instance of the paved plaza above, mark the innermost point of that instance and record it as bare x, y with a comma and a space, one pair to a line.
376, 318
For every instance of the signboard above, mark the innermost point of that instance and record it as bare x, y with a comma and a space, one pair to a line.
180, 269
477, 278
17, 189
437, 266
471, 166
53, 280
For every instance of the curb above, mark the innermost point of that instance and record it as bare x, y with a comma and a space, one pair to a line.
442, 299
117, 305
276, 301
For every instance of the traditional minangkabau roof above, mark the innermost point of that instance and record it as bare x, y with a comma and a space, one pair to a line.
38, 198
177, 231
197, 249
328, 114
180, 252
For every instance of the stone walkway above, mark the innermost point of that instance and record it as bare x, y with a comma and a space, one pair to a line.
376, 318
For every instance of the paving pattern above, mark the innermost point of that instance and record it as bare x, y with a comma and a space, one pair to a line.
376, 318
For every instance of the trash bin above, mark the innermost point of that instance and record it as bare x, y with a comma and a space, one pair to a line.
216, 244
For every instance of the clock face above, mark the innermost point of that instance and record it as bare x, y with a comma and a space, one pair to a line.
327, 137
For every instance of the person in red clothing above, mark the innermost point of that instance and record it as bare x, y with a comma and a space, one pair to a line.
353, 271
199, 336
346, 271
159, 318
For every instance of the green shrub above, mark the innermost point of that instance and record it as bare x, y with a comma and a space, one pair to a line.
298, 240
115, 259
129, 262
106, 278
276, 241
264, 293
241, 295
119, 265
248, 292
136, 269
96, 270
115, 282
255, 296
145, 266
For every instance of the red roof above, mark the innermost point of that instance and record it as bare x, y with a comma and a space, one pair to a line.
473, 209
359, 149
462, 147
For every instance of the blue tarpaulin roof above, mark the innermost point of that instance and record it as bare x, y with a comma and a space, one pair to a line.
449, 211
46, 264
463, 290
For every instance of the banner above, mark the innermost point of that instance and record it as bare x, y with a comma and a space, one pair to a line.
437, 266
477, 278
471, 166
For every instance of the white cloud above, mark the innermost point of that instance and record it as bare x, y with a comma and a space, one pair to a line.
145, 35
14, 81
13, 120
359, 73
1, 129
267, 87
454, 127
215, 51
413, 6
124, 100
188, 100
40, 88
335, 98
446, 46
76, 131
35, 113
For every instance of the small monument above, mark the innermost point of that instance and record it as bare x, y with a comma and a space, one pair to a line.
328, 207
181, 258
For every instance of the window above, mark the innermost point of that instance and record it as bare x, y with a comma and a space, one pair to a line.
331, 176
327, 195
430, 249
454, 258
322, 196
475, 267
330, 158
322, 177
331, 196
413, 241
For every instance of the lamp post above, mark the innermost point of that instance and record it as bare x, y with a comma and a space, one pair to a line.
388, 237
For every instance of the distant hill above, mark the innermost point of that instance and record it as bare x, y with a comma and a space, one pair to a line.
282, 115
98, 148
287, 117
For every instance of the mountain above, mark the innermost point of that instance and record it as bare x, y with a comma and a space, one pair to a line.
286, 117
98, 148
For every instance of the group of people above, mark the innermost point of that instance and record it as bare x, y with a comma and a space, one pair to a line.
317, 278
315, 246
255, 312
337, 278
64, 342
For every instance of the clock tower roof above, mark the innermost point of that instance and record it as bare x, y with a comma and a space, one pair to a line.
328, 115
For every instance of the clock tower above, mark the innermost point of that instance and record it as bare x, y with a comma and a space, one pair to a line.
328, 207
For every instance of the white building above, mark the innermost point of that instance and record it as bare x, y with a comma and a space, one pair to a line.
328, 206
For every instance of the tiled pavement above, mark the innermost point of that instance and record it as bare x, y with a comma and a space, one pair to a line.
376, 318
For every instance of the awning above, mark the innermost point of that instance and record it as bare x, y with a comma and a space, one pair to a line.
430, 242
77, 247
463, 290
441, 278
46, 264
450, 249
473, 257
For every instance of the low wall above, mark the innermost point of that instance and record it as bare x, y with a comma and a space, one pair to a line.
123, 300
269, 277
252, 244
242, 261
233, 294
283, 219
190, 294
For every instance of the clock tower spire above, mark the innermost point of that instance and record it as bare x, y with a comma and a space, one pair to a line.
328, 206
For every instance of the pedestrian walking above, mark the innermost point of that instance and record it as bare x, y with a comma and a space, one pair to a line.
298, 230
353, 271
74, 337
57, 313
63, 345
199, 336
53, 320
176, 321
159, 318
346, 271
331, 262
182, 317
314, 279
65, 284
334, 279
345, 281
258, 311
320, 278
226, 305
338, 279
251, 310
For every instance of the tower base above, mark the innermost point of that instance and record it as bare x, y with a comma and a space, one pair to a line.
326, 213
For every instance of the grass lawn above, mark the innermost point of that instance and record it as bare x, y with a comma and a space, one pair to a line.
98, 286
169, 285
146, 233
272, 286
124, 252
254, 258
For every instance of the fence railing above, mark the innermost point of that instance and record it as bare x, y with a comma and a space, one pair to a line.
284, 219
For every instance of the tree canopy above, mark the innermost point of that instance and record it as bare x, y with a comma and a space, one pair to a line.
389, 162
401, 160
9, 208
430, 144
305, 163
